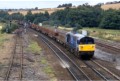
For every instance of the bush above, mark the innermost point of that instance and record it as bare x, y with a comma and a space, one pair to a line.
51, 23
67, 25
2, 20
46, 22
9, 29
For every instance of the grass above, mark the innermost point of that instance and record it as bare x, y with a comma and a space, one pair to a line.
1, 26
3, 38
108, 34
34, 47
112, 6
48, 70
63, 28
43, 61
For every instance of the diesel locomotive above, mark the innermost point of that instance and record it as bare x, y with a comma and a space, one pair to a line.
81, 45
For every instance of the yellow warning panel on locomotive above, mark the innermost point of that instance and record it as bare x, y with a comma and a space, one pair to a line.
87, 47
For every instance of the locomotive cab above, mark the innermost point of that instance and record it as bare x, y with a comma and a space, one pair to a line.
86, 44
86, 47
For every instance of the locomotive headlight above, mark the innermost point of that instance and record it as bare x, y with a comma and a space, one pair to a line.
93, 46
81, 47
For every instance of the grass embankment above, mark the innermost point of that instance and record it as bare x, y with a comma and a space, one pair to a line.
7, 27
36, 49
107, 34
104, 33
66, 29
3, 37
1, 26
48, 70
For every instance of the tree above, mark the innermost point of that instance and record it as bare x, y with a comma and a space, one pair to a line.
36, 8
29, 16
39, 19
111, 20
85, 15
3, 14
65, 5
46, 15
17, 16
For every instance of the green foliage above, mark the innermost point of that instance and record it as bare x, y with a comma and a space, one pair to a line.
29, 16
108, 34
2, 20
46, 22
59, 17
65, 5
34, 47
67, 25
43, 61
84, 15
87, 16
17, 16
111, 20
9, 29
46, 15
37, 18
51, 22
48, 70
77, 27
3, 14
3, 38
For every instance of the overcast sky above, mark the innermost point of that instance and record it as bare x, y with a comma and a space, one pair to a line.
16, 4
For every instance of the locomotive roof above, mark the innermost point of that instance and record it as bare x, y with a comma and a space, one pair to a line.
79, 36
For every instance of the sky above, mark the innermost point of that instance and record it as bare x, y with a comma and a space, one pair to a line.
16, 4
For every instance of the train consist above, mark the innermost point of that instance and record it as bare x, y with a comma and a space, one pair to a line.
79, 44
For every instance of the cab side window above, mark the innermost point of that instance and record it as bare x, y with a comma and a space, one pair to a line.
78, 41
68, 38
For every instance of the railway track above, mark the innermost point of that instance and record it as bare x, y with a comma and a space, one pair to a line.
101, 71
112, 76
15, 68
107, 70
108, 45
76, 72
86, 65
